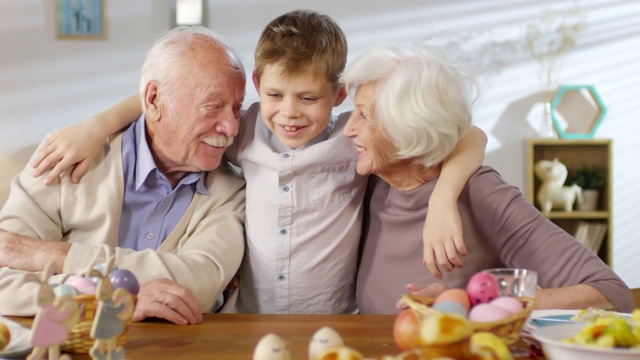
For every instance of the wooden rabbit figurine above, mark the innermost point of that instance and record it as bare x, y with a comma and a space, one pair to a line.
54, 318
114, 308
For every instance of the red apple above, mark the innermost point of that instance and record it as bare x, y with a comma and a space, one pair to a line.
406, 329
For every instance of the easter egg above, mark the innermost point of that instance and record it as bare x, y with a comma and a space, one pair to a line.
64, 289
125, 279
487, 313
271, 347
406, 329
482, 288
323, 339
101, 267
509, 304
83, 285
457, 295
450, 307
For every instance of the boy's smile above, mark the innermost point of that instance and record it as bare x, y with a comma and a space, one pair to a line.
295, 107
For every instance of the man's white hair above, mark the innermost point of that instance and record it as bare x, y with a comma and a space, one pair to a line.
161, 62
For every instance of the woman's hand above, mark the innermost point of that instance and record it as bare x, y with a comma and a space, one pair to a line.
73, 146
432, 291
442, 237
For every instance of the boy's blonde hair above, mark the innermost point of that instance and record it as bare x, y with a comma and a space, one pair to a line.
303, 38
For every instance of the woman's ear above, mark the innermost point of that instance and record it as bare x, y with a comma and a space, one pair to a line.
152, 108
342, 94
256, 82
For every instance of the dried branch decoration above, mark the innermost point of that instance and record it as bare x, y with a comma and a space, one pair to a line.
550, 37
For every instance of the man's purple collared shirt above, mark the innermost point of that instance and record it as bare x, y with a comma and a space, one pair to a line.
151, 208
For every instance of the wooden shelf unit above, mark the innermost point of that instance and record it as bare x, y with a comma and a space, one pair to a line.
575, 154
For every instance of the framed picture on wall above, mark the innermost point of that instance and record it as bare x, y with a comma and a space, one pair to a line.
81, 19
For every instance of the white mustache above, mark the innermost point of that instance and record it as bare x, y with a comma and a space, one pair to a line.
219, 141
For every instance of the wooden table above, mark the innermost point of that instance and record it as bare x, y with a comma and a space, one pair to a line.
234, 336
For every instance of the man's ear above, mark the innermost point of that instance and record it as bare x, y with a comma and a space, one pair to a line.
256, 82
342, 94
153, 110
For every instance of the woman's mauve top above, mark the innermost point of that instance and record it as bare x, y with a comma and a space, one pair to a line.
501, 229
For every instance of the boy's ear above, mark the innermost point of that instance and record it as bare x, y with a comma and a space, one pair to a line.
342, 94
256, 81
151, 101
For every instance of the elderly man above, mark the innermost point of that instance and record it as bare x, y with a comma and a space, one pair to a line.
157, 193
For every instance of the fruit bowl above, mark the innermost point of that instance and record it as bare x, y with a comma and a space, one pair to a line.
551, 338
507, 329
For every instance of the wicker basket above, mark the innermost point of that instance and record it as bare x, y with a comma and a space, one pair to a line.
508, 329
79, 340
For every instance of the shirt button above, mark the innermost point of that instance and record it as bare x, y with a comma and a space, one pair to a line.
286, 156
283, 231
285, 188
281, 277
149, 236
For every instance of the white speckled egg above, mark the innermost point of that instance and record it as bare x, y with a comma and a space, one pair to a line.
325, 338
271, 347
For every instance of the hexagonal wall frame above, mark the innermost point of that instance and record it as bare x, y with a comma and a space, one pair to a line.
577, 111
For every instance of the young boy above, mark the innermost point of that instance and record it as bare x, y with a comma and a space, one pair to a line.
304, 197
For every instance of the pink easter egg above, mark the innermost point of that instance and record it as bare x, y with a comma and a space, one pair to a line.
482, 288
509, 304
83, 285
487, 313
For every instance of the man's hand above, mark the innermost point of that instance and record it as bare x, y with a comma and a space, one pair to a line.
432, 291
23, 253
164, 299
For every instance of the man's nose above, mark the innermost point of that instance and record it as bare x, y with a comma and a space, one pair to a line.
227, 123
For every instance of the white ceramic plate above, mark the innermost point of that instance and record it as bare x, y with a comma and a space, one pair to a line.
19, 346
541, 318
550, 337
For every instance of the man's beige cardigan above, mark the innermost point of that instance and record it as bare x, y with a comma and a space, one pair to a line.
202, 253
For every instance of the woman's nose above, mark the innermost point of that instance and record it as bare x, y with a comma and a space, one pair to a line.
349, 127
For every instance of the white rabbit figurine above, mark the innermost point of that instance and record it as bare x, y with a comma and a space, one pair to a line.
552, 194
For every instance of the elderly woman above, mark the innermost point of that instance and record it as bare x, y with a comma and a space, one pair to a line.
410, 110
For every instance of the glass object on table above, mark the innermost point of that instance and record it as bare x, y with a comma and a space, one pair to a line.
516, 283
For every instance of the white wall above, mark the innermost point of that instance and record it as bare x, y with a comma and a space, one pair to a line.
47, 83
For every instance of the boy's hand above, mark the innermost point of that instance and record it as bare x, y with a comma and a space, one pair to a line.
432, 291
74, 146
442, 236
234, 283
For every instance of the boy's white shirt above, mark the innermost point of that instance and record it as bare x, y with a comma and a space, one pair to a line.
303, 221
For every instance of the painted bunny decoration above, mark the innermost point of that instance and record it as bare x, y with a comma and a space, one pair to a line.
54, 318
114, 308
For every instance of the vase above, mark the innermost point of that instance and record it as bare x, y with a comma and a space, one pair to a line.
589, 200
547, 130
